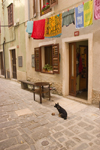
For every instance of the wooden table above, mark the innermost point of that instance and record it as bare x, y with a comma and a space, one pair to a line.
41, 88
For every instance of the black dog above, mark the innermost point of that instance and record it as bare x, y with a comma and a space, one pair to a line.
62, 111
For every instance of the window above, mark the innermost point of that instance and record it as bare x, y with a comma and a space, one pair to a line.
10, 15
47, 57
46, 5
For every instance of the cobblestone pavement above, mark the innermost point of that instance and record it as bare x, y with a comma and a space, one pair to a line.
28, 125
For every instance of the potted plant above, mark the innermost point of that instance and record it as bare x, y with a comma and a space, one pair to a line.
48, 68
45, 7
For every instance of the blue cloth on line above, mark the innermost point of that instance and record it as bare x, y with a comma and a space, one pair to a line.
29, 28
79, 14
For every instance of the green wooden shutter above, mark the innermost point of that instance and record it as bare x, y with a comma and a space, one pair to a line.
55, 59
37, 59
53, 3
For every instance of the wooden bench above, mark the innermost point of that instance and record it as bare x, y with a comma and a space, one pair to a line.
24, 84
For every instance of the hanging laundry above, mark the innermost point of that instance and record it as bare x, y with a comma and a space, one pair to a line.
53, 26
29, 28
96, 9
38, 29
88, 13
79, 14
68, 18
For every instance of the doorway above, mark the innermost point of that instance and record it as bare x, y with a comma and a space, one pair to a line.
13, 58
78, 69
1, 63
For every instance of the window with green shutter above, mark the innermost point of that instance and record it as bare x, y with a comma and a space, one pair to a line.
47, 56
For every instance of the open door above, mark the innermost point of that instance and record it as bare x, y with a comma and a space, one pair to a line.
14, 74
72, 69
1, 63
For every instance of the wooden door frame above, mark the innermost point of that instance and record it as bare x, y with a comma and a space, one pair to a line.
10, 61
65, 65
1, 51
72, 93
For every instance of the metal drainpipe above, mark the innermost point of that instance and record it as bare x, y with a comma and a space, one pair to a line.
28, 9
4, 58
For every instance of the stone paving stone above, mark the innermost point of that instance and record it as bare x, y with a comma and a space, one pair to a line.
47, 143
83, 146
86, 136
33, 125
89, 128
57, 134
40, 133
12, 133
69, 144
19, 147
82, 124
8, 143
96, 131
98, 120
69, 123
27, 139
61, 139
43, 122
97, 141
20, 139
67, 133
95, 147
32, 147
20, 130
27, 131
3, 118
8, 124
23, 112
77, 139
76, 129
58, 128
98, 135
63, 148
25, 124
3, 136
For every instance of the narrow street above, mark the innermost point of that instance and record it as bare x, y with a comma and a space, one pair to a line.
26, 124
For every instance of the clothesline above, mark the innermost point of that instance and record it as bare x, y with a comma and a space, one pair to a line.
83, 18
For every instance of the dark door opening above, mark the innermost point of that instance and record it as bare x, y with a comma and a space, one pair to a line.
14, 74
78, 64
1, 63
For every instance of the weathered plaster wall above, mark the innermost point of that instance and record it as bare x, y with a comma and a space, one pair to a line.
67, 32
15, 36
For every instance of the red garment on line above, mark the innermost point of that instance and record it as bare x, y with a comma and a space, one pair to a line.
38, 29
